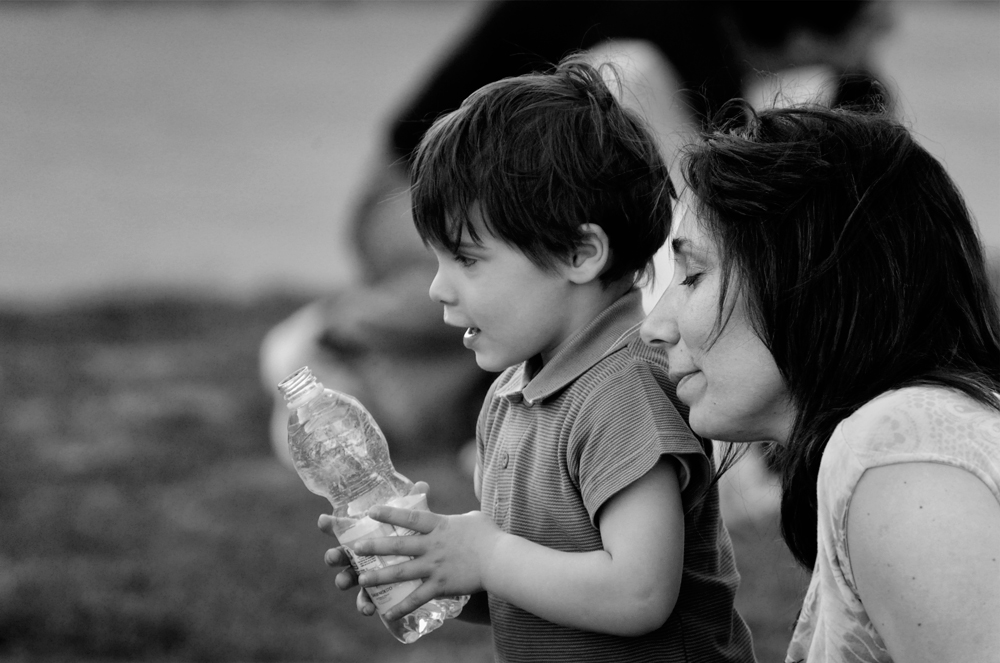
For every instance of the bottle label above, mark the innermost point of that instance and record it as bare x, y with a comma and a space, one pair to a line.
383, 596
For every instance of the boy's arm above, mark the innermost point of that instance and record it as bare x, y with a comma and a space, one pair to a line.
477, 610
629, 588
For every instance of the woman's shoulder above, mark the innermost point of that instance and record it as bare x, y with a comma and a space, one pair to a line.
922, 423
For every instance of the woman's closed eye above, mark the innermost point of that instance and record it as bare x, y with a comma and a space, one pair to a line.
691, 279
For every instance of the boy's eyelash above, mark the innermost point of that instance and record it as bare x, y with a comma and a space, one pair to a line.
465, 261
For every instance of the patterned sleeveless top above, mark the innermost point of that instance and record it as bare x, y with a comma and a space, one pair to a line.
915, 424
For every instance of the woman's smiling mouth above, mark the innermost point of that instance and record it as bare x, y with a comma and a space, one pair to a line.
682, 382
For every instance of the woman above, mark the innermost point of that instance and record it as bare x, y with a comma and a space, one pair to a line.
830, 296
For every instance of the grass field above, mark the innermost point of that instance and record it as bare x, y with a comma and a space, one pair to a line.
143, 516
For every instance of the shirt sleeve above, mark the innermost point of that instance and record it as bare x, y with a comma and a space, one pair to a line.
623, 429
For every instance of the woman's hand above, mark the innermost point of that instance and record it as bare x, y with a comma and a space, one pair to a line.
451, 554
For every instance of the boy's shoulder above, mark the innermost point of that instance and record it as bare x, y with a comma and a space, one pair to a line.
631, 365
630, 350
640, 351
625, 369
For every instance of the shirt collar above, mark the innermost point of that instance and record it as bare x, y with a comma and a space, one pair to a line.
612, 329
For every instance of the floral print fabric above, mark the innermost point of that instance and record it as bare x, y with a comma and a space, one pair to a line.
914, 424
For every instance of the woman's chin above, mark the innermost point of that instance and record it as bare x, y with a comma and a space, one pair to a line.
706, 425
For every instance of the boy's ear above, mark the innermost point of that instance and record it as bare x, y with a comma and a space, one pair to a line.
592, 255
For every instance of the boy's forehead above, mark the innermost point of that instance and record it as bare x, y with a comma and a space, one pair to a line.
470, 222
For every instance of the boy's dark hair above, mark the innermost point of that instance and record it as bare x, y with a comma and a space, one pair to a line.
861, 267
539, 155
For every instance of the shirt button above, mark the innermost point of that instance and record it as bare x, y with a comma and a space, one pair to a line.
505, 460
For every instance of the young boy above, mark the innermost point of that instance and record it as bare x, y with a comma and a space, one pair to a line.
599, 538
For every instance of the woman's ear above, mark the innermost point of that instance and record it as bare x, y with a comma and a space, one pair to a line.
591, 256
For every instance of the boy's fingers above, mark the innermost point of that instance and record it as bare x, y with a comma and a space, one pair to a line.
336, 557
329, 524
417, 598
420, 521
408, 546
420, 488
364, 604
410, 570
325, 524
346, 579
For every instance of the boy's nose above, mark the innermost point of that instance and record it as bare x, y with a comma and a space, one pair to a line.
660, 326
439, 292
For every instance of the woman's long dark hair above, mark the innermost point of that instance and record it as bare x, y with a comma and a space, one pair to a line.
862, 269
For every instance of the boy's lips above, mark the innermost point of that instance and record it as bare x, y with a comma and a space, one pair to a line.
470, 335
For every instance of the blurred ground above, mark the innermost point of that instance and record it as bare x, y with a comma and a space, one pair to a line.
171, 179
214, 146
144, 517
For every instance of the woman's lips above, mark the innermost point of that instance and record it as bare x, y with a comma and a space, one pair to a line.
682, 382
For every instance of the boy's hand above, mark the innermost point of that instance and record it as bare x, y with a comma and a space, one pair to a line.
451, 554
337, 558
347, 578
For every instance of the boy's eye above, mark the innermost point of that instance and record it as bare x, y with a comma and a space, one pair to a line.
465, 261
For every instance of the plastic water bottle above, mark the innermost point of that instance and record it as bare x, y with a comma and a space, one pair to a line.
340, 453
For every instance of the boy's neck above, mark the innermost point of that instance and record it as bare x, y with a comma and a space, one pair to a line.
591, 300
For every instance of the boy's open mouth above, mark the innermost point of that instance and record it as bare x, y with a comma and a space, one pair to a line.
471, 332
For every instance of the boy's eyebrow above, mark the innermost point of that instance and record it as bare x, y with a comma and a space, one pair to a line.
466, 246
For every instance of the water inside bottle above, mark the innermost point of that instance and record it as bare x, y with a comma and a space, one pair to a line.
340, 453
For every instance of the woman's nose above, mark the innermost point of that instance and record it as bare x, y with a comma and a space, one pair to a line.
660, 326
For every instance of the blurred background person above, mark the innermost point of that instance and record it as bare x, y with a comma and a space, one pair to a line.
383, 340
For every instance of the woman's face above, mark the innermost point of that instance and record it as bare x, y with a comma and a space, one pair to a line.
729, 378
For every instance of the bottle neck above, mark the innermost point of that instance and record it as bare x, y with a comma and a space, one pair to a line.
299, 388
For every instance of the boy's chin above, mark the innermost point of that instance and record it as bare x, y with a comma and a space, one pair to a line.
491, 363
